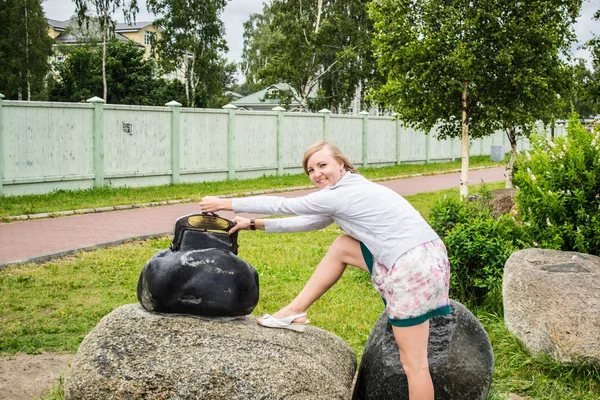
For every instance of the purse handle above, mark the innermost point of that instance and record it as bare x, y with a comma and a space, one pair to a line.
203, 222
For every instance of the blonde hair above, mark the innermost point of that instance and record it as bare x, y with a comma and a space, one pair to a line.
335, 152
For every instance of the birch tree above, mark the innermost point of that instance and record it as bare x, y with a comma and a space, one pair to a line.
310, 45
103, 15
192, 40
25, 48
471, 67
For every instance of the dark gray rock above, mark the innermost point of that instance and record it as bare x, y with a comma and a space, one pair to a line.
211, 282
136, 354
552, 303
461, 361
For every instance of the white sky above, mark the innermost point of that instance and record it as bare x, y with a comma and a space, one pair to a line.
238, 11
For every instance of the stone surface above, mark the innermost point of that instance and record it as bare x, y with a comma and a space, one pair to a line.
207, 282
552, 303
461, 361
503, 201
135, 354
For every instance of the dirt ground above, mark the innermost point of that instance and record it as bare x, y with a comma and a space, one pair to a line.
27, 377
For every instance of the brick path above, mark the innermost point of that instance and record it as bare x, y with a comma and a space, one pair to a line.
44, 239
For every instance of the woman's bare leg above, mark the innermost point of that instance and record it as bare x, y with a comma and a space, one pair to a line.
344, 251
412, 342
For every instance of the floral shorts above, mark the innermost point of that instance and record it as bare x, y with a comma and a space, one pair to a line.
416, 288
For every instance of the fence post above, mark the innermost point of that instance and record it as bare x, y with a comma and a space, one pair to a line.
230, 141
280, 111
1, 145
398, 146
175, 147
365, 122
325, 113
98, 129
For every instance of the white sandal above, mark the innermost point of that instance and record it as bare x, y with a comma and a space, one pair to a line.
284, 323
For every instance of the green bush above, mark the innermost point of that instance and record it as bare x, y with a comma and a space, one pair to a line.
478, 246
559, 191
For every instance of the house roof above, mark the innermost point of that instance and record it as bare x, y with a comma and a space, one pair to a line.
134, 27
58, 25
120, 27
258, 99
70, 38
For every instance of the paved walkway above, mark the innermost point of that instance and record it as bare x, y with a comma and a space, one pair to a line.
44, 239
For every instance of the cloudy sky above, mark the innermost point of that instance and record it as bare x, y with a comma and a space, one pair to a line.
238, 11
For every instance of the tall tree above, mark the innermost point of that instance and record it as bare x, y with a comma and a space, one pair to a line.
532, 79
104, 10
447, 61
310, 45
192, 40
593, 88
257, 36
129, 74
25, 48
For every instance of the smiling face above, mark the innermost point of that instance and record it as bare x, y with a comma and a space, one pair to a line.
323, 168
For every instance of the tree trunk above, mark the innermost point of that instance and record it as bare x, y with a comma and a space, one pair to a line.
319, 7
363, 93
27, 75
104, 39
510, 132
464, 169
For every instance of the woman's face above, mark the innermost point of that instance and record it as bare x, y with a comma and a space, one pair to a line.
323, 169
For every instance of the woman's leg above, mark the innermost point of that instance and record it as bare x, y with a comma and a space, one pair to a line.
344, 251
412, 342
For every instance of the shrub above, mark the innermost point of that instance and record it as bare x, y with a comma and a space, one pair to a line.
478, 246
559, 191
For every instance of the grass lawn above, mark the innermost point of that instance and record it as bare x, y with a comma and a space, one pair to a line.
52, 306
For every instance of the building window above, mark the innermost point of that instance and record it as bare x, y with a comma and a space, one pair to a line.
149, 37
60, 58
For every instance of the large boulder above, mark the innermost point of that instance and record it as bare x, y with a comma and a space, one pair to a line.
461, 361
552, 303
502, 201
136, 354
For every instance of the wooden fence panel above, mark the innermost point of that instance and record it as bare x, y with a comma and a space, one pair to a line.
255, 142
203, 141
346, 133
137, 141
46, 143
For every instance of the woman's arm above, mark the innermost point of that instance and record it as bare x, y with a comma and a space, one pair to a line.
213, 204
323, 202
302, 223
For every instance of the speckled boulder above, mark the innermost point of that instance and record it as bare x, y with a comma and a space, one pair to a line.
136, 354
461, 361
552, 303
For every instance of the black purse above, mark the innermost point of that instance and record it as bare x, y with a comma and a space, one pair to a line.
200, 273
202, 231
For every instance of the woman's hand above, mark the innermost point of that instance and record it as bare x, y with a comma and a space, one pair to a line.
240, 223
244, 224
213, 204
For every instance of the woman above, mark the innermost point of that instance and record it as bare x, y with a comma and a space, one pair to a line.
385, 236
